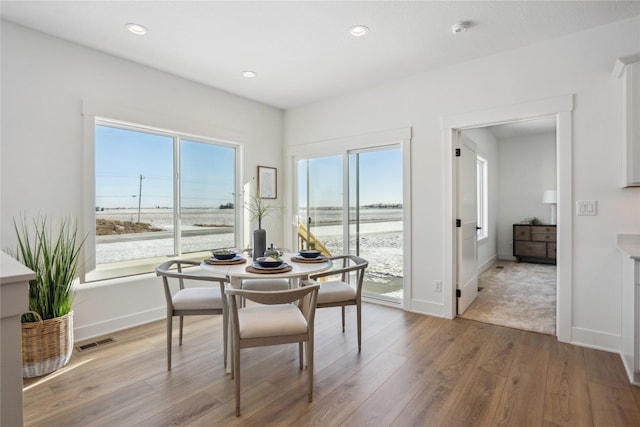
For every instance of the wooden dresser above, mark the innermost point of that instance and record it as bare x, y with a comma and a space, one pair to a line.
534, 243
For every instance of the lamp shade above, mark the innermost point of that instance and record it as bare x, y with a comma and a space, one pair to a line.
550, 196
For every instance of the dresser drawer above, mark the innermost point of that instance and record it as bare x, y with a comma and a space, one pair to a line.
521, 232
551, 250
530, 249
543, 237
542, 229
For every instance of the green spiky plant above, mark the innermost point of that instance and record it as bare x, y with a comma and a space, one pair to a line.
259, 209
55, 260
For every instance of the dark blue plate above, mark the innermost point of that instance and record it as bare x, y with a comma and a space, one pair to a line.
268, 264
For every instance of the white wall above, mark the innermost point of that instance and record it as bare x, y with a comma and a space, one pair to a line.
45, 82
527, 168
578, 64
487, 148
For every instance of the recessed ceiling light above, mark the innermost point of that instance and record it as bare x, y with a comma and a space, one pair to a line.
358, 30
249, 74
137, 29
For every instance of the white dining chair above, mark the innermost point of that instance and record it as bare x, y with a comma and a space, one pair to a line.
275, 320
342, 292
267, 284
191, 301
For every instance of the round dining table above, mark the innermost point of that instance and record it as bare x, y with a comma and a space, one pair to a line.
236, 270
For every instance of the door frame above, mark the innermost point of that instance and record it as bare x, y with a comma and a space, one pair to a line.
561, 108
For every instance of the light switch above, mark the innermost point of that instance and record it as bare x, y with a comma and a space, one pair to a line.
586, 207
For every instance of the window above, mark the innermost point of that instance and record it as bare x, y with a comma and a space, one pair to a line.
160, 194
483, 198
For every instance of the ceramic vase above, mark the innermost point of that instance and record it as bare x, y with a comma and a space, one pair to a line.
259, 242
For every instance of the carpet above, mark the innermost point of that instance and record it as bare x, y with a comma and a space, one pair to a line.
516, 295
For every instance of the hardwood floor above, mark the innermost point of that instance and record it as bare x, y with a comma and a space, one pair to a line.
414, 370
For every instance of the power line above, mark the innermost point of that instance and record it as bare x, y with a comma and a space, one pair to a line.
140, 197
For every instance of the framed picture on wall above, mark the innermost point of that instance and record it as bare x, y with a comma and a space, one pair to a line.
267, 182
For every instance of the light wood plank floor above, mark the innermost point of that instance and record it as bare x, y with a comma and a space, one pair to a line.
414, 370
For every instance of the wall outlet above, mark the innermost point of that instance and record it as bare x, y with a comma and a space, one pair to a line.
437, 286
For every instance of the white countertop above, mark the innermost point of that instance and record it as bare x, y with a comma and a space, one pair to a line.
12, 271
629, 244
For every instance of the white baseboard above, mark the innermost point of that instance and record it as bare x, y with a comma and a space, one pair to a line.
506, 257
485, 265
596, 339
98, 329
426, 307
632, 374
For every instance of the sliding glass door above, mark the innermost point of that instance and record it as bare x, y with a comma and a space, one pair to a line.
320, 205
375, 219
363, 217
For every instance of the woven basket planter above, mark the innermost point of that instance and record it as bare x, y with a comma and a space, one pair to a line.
46, 345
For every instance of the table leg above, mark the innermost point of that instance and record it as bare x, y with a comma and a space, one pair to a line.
236, 283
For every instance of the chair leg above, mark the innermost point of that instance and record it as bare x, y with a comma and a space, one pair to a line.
169, 333
233, 357
342, 318
300, 354
236, 370
359, 317
181, 322
310, 366
225, 334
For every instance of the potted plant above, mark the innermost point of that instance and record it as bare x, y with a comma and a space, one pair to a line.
259, 210
47, 330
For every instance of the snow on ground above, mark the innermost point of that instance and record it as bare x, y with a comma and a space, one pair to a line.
380, 239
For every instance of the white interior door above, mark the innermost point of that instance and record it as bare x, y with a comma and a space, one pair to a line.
467, 221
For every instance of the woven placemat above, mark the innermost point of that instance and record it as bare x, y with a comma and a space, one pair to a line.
214, 261
297, 258
252, 269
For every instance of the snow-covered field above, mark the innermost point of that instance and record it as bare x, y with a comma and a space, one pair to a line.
380, 238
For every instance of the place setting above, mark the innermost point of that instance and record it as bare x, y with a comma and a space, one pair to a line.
310, 256
269, 265
225, 257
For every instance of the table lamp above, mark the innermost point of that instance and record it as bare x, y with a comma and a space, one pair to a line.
550, 197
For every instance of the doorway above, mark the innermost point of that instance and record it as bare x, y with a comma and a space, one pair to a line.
560, 108
515, 170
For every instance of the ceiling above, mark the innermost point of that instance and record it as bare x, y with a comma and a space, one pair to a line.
302, 51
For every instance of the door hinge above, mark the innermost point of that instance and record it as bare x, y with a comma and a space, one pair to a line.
458, 223
458, 293
457, 152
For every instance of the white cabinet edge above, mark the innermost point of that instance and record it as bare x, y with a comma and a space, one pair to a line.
628, 69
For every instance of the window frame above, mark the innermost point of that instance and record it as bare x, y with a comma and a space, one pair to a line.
96, 272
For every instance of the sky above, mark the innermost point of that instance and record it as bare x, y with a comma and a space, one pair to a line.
380, 178
122, 156
207, 178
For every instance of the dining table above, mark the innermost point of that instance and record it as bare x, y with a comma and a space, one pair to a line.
242, 266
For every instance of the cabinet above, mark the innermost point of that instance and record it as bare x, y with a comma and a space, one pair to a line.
14, 300
534, 243
628, 70
629, 245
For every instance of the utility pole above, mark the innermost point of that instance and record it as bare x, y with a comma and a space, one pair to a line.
140, 197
